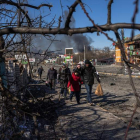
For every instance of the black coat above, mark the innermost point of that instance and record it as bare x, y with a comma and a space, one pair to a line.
78, 70
40, 70
52, 74
88, 75
64, 75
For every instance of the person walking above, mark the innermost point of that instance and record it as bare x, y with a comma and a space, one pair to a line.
63, 77
52, 76
88, 74
40, 70
75, 87
67, 67
79, 69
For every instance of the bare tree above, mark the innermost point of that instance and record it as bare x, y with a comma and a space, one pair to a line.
106, 50
18, 21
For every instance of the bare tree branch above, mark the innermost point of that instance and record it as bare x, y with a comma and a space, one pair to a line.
61, 8
134, 17
71, 10
128, 66
109, 12
98, 28
66, 30
18, 5
121, 48
30, 30
130, 78
126, 133
19, 15
59, 23
24, 4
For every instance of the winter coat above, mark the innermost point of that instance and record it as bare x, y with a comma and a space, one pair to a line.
74, 82
40, 70
79, 71
88, 74
63, 76
52, 74
68, 69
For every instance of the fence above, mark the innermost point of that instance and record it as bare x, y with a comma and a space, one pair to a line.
16, 78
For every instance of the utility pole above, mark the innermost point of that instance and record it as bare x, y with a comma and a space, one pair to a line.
123, 41
122, 32
84, 52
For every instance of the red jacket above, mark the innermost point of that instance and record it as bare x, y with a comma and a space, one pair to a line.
74, 82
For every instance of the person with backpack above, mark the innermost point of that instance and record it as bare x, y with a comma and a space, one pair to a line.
75, 87
64, 75
88, 74
52, 76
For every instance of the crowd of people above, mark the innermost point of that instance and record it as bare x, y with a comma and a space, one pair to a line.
80, 75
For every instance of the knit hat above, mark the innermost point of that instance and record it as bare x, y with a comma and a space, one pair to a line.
76, 71
87, 62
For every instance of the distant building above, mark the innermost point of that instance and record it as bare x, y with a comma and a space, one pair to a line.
132, 51
99, 51
106, 61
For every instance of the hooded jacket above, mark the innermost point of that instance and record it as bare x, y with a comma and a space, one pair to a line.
74, 82
63, 76
88, 75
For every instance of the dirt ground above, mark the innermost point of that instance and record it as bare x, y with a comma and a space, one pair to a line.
110, 69
118, 96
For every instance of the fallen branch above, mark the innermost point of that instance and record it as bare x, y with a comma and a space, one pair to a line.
126, 133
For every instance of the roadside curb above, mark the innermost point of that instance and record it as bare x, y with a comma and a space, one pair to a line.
115, 74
